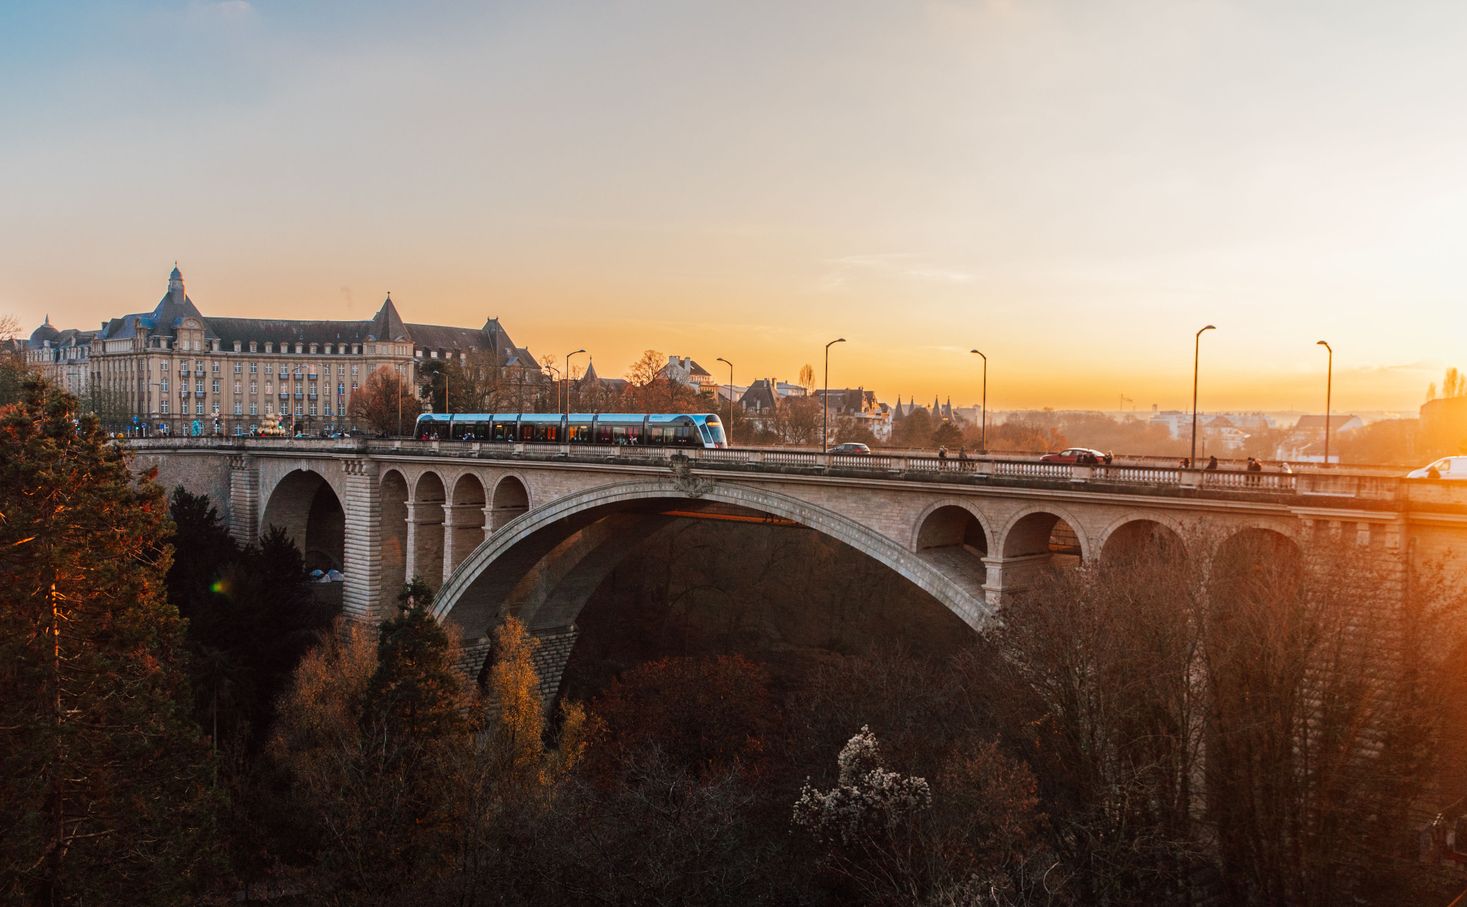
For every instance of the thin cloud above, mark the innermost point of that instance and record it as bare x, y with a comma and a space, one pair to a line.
906, 266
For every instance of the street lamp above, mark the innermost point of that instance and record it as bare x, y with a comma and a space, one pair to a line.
983, 413
728, 429
825, 417
1196, 349
1329, 382
567, 384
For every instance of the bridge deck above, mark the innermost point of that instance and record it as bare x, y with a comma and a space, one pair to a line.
1354, 489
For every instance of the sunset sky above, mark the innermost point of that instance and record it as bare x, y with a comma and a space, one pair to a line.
1073, 187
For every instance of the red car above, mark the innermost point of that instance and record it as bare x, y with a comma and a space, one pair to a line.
1084, 456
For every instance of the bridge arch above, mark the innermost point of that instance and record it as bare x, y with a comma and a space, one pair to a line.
464, 521
1038, 531
426, 512
511, 498
544, 564
307, 507
392, 525
1151, 535
956, 537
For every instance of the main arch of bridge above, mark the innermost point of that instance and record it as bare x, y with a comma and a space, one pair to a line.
543, 565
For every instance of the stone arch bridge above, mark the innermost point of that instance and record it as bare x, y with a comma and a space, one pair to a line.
533, 529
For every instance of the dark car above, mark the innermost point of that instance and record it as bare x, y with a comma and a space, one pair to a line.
1084, 456
850, 447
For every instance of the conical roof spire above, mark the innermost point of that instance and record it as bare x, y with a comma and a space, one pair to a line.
387, 324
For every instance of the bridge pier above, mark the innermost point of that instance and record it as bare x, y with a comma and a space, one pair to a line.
552, 654
1007, 575
244, 499
463, 530
425, 541
363, 542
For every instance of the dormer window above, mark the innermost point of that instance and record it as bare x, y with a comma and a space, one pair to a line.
269, 346
253, 348
236, 346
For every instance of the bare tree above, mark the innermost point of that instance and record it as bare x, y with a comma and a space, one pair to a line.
384, 403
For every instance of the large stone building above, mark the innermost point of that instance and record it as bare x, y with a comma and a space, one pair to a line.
174, 369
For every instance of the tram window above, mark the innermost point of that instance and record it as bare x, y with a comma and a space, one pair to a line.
603, 434
684, 436
503, 431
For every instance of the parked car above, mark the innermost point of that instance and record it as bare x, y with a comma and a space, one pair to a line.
1085, 456
850, 447
1454, 468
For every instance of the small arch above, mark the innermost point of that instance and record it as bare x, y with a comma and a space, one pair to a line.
953, 538
1142, 538
950, 526
511, 498
305, 505
1257, 556
465, 528
1048, 535
426, 513
392, 538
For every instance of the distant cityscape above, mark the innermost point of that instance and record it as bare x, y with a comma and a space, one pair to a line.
173, 369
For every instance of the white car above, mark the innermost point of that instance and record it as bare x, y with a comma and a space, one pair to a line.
1445, 468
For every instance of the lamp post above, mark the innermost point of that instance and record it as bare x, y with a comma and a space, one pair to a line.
825, 416
567, 384
983, 412
728, 429
1329, 382
1196, 350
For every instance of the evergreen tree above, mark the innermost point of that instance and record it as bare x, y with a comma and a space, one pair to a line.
104, 793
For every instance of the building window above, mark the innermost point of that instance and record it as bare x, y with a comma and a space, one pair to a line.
199, 386
215, 386
164, 409
238, 367
236, 388
163, 386
238, 409
313, 409
214, 367
199, 408
354, 372
299, 410
254, 366
326, 409
254, 388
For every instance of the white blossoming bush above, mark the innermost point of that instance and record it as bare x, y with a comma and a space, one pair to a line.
868, 801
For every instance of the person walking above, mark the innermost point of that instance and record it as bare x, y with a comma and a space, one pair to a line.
1212, 463
942, 458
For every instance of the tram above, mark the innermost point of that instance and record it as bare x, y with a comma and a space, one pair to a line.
639, 429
